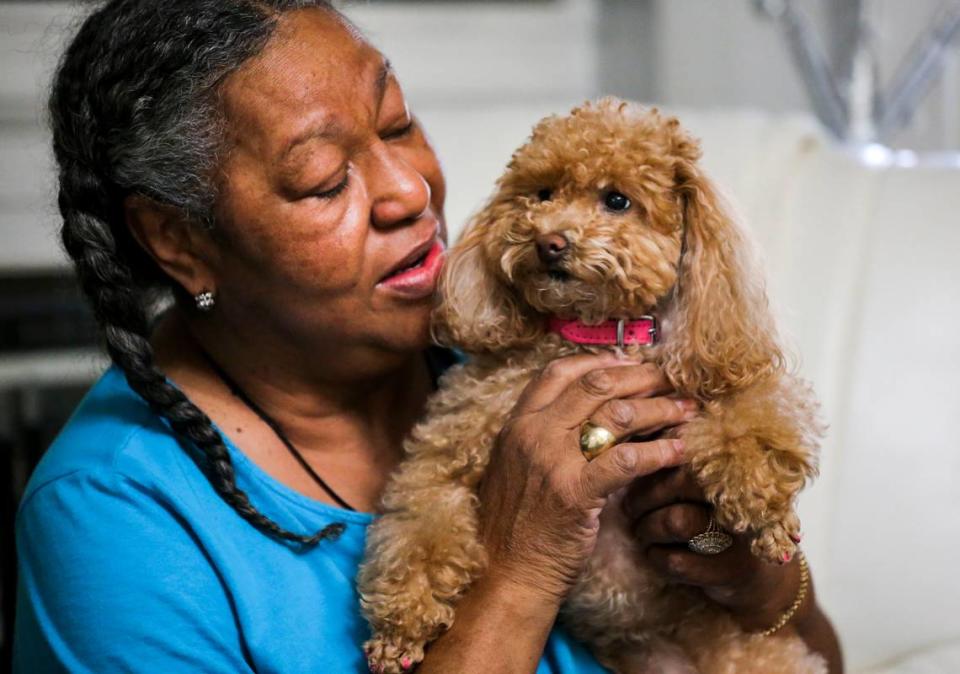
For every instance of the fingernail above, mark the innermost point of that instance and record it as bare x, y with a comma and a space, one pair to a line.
687, 407
406, 663
786, 557
678, 445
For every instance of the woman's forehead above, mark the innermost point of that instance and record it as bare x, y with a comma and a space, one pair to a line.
316, 72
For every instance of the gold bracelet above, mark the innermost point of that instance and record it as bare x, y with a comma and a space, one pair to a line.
797, 601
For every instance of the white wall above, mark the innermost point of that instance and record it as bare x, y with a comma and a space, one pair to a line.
30, 41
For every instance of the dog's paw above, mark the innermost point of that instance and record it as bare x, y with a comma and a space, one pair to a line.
777, 542
392, 654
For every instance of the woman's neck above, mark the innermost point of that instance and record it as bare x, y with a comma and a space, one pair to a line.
349, 430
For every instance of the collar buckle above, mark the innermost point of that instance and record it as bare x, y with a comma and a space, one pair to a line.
653, 330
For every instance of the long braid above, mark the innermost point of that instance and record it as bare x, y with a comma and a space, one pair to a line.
99, 93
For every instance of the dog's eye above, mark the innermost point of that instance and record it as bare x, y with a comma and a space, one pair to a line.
616, 201
544, 194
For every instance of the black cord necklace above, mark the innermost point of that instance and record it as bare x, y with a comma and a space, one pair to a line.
275, 427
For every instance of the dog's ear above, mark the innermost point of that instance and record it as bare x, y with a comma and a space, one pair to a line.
721, 333
477, 311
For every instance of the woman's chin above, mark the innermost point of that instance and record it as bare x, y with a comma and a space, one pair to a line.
409, 330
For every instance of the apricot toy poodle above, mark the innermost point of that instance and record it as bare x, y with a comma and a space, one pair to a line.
602, 233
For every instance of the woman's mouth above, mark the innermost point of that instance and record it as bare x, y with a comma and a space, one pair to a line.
419, 278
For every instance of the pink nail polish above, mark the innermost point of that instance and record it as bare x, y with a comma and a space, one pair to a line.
786, 557
406, 662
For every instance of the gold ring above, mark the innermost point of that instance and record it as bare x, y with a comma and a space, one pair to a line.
712, 541
595, 440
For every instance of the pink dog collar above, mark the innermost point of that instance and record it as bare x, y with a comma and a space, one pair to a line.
642, 331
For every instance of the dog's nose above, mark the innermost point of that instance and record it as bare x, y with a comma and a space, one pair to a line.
552, 247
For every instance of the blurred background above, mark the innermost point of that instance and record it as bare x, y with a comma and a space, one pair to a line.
833, 126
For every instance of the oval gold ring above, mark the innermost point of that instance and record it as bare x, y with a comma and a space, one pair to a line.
595, 440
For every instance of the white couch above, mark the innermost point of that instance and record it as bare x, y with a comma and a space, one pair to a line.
863, 263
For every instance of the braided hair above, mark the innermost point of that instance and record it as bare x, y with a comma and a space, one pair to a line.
134, 111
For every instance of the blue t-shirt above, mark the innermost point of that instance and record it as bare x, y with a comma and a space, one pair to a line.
130, 561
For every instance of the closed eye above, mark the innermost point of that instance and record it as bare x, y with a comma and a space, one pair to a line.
398, 133
335, 191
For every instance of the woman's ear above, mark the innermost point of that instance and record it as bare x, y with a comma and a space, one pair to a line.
177, 245
477, 311
722, 335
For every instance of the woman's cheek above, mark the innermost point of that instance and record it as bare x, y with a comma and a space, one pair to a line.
314, 244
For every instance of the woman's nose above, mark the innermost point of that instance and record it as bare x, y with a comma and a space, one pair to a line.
399, 191
552, 247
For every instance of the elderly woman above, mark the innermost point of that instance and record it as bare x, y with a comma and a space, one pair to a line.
205, 508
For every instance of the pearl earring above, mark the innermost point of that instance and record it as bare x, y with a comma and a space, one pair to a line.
204, 300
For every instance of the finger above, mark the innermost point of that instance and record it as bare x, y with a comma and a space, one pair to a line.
625, 417
621, 464
583, 396
661, 489
673, 524
685, 567
559, 373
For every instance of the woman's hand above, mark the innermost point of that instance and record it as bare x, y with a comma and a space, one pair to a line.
540, 498
667, 509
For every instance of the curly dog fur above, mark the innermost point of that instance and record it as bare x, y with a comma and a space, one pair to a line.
675, 253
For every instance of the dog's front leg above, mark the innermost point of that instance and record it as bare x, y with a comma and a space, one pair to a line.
752, 453
422, 554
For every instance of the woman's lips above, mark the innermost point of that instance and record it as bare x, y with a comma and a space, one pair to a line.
421, 279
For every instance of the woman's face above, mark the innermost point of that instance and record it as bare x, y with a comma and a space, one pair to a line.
328, 186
